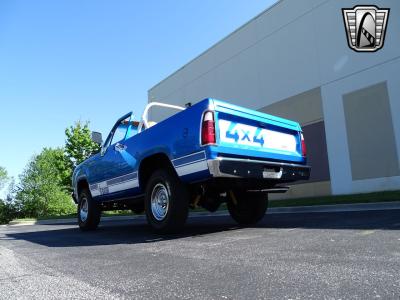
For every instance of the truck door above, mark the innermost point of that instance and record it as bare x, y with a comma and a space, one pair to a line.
115, 166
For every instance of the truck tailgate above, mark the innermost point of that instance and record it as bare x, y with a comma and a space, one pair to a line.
245, 132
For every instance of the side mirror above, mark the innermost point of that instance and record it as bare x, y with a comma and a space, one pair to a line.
97, 138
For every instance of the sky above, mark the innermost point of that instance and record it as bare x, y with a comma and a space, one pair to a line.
91, 60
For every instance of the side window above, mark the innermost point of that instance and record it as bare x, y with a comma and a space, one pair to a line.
132, 130
120, 131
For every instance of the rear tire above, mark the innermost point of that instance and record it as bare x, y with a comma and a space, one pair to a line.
247, 208
88, 211
166, 202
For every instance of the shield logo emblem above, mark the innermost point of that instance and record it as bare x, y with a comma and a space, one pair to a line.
365, 27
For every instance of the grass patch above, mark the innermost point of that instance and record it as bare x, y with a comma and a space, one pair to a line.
111, 213
45, 218
341, 199
24, 220
57, 217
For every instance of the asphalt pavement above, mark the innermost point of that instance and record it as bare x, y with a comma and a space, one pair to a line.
320, 255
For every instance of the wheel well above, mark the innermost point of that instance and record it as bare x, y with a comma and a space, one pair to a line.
81, 185
152, 163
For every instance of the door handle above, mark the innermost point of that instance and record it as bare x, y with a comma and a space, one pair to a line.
120, 147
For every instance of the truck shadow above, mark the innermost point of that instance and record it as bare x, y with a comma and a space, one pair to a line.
137, 231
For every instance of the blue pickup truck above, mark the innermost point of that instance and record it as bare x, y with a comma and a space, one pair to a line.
204, 155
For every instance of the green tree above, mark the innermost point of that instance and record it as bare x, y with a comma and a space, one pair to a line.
42, 190
7, 211
3, 177
8, 207
79, 145
63, 166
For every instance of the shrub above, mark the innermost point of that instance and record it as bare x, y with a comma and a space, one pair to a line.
8, 212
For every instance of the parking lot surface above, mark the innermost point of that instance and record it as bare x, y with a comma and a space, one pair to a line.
287, 256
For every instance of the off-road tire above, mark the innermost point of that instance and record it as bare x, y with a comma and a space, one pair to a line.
178, 206
93, 211
247, 208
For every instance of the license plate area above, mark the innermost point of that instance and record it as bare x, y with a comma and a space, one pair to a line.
272, 173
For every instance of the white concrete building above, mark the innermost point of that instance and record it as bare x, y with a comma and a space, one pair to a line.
293, 60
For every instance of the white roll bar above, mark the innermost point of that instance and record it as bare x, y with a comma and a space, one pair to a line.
144, 121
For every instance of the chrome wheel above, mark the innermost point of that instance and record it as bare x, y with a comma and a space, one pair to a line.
83, 212
159, 202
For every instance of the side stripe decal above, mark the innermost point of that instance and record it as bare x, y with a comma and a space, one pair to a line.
189, 158
192, 163
116, 184
185, 165
192, 168
122, 178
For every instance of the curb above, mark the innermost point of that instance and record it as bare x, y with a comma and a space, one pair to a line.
274, 210
70, 221
336, 208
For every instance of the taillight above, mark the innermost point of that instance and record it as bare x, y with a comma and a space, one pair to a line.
208, 129
303, 146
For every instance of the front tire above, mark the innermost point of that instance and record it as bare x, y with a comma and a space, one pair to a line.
88, 211
247, 208
166, 202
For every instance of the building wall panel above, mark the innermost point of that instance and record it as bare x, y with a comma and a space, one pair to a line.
293, 51
370, 134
